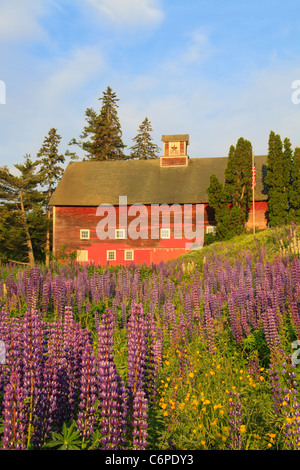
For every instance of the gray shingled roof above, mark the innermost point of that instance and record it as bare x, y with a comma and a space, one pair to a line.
93, 183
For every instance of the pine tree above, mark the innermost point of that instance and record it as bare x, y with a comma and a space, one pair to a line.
294, 192
277, 179
101, 138
144, 149
20, 195
50, 172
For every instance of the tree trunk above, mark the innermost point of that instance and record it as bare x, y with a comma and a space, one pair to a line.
27, 234
48, 248
47, 260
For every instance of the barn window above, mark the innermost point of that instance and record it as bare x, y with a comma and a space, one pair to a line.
84, 234
128, 255
210, 229
120, 233
165, 233
82, 256
111, 255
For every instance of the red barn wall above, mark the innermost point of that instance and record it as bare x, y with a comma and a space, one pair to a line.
260, 215
68, 221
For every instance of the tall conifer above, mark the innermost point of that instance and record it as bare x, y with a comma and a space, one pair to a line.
277, 179
238, 177
144, 148
294, 192
50, 171
101, 138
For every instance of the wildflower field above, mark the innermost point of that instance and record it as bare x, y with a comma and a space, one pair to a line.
152, 357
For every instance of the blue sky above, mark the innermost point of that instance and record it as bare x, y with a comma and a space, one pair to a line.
213, 69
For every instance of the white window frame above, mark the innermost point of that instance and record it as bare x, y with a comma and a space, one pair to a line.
126, 252
82, 230
114, 254
120, 233
165, 235
210, 229
82, 256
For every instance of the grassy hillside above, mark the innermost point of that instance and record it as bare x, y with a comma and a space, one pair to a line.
272, 242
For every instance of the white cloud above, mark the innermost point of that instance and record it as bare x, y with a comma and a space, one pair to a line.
198, 49
73, 72
137, 13
19, 19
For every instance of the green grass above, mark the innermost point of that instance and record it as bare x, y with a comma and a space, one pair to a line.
272, 242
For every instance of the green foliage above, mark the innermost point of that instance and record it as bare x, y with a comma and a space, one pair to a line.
144, 149
68, 439
238, 177
231, 203
294, 188
101, 138
278, 180
20, 199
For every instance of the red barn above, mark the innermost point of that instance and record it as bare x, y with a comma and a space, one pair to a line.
141, 211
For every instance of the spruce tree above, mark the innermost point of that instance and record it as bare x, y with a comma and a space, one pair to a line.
101, 138
88, 131
294, 192
277, 179
144, 148
50, 172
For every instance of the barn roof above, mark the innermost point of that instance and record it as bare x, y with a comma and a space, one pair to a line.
91, 183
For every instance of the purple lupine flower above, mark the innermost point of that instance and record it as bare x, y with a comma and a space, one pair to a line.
111, 390
136, 348
88, 393
291, 407
140, 424
234, 321
47, 415
235, 421
33, 357
275, 387
209, 324
253, 365
295, 316
151, 368
15, 420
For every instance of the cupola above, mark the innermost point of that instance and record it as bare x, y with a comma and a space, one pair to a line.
175, 150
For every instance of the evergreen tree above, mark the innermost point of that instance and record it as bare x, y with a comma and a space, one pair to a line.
217, 200
50, 172
277, 179
102, 135
88, 131
19, 198
144, 149
238, 177
294, 192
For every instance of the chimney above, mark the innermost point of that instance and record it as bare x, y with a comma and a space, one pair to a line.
175, 150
